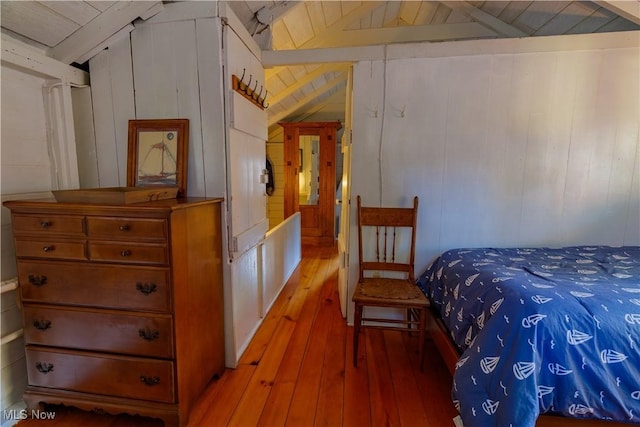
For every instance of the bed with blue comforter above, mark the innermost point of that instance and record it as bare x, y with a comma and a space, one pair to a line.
541, 330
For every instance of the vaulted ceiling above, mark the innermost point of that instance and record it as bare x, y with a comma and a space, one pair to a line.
74, 31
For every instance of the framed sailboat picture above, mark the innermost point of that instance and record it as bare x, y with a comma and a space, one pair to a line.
157, 154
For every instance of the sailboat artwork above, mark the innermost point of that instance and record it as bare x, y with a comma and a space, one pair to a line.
157, 163
158, 153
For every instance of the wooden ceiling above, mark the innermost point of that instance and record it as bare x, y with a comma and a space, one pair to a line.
74, 31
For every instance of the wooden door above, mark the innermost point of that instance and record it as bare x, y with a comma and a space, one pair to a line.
310, 181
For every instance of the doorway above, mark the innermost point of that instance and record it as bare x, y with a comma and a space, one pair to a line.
310, 178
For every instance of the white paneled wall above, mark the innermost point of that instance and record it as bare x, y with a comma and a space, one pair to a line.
511, 149
279, 255
25, 154
25, 168
113, 107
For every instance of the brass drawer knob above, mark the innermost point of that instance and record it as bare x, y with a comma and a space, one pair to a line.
37, 280
46, 224
49, 248
42, 324
125, 253
148, 334
146, 288
124, 227
44, 367
150, 381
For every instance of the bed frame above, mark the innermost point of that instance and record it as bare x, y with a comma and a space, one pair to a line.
450, 355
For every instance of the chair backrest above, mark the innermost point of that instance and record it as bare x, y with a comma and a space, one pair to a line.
386, 223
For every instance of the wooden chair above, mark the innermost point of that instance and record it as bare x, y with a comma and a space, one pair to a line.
385, 281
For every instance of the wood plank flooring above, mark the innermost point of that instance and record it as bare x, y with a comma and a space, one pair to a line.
297, 371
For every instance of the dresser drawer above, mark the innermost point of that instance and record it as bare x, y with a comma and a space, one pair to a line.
99, 330
132, 377
128, 252
115, 228
91, 285
51, 248
45, 225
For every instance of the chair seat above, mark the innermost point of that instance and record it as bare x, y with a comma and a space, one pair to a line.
389, 292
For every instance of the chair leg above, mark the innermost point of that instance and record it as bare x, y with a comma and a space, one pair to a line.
357, 320
421, 343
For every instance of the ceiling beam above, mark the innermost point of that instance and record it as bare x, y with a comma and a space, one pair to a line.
124, 32
308, 78
274, 58
307, 99
105, 25
328, 33
275, 131
409, 34
629, 10
319, 39
486, 19
16, 55
319, 106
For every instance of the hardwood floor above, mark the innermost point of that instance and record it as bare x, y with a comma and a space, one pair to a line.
297, 371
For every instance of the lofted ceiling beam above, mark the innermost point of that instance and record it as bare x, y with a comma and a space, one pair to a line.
629, 10
308, 78
17, 55
408, 34
337, 27
274, 58
486, 19
321, 105
105, 25
315, 108
342, 77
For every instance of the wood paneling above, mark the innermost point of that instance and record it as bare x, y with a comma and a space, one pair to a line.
25, 161
113, 107
508, 150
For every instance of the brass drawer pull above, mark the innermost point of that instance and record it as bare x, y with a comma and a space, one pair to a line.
146, 288
124, 227
150, 381
42, 324
125, 253
49, 248
44, 367
46, 224
37, 280
148, 334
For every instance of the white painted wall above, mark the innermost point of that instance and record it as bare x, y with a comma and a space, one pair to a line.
38, 155
25, 168
26, 165
502, 149
279, 256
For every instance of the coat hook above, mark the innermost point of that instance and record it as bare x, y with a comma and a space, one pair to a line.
246, 87
254, 89
257, 98
266, 92
241, 78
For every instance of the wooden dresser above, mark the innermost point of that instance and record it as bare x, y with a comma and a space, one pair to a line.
123, 304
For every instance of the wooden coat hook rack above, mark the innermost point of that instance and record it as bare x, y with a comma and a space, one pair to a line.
252, 94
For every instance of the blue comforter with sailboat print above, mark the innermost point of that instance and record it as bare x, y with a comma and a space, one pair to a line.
541, 330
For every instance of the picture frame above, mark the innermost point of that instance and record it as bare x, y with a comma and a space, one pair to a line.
157, 153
